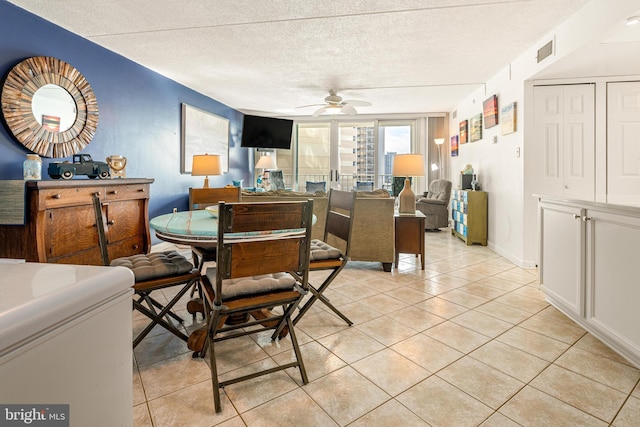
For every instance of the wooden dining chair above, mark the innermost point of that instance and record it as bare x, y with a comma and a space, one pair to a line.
200, 198
153, 272
325, 255
262, 269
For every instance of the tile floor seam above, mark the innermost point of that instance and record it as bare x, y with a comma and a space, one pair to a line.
626, 400
496, 410
591, 379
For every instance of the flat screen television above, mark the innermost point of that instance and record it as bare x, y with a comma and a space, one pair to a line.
266, 132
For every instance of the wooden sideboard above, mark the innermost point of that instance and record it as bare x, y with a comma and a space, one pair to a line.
60, 223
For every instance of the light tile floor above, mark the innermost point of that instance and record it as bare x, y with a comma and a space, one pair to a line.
469, 341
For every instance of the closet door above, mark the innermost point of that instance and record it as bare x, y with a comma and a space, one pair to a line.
564, 132
623, 143
579, 142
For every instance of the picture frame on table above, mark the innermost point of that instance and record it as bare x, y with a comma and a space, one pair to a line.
508, 117
490, 111
475, 128
203, 133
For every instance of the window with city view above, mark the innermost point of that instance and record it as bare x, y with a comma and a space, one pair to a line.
345, 155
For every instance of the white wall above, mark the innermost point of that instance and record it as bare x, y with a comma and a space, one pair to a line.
512, 209
498, 167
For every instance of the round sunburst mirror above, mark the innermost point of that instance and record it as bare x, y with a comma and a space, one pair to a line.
49, 107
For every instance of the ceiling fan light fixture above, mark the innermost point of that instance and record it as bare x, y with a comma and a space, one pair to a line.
335, 105
333, 109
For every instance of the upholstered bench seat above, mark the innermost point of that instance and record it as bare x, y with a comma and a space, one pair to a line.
235, 288
155, 265
320, 250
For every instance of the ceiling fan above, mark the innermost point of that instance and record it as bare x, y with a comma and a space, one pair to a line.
334, 104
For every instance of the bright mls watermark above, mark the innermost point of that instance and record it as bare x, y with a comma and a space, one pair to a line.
34, 415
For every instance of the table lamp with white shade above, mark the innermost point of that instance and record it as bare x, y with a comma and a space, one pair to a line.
205, 165
407, 165
265, 163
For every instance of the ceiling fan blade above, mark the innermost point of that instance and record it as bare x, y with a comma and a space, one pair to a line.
356, 103
319, 111
348, 109
311, 105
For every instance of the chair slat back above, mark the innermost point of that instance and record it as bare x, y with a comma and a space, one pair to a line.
264, 246
102, 238
256, 258
339, 215
200, 198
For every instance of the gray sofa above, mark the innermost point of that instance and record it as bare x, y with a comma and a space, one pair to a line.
372, 237
434, 204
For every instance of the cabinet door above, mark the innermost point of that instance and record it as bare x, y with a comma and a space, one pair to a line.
623, 143
564, 131
613, 272
61, 223
124, 219
562, 255
126, 226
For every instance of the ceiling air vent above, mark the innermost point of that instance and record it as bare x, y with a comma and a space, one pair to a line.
545, 51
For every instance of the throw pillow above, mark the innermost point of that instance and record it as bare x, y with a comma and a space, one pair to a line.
312, 186
364, 186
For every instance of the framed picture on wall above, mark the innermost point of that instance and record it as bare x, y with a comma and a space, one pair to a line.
490, 111
464, 132
475, 124
508, 118
203, 133
454, 146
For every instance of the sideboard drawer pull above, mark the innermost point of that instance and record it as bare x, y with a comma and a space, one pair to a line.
57, 196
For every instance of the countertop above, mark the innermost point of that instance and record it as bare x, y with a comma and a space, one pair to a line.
37, 297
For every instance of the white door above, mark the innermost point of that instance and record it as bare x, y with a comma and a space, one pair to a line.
564, 132
623, 143
548, 125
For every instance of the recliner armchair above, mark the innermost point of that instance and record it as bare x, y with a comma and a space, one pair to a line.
434, 204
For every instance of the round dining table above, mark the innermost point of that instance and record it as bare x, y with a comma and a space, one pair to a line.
195, 228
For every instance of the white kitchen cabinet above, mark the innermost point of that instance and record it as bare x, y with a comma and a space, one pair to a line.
563, 248
65, 338
588, 268
613, 276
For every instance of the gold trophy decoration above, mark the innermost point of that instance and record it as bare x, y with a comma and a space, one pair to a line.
117, 164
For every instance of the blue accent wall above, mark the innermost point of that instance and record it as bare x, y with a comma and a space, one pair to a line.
139, 111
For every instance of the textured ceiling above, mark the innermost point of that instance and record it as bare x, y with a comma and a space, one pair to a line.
403, 56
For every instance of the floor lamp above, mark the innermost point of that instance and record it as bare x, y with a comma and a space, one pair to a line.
439, 142
407, 165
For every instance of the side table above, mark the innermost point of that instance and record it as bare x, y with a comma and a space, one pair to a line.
409, 235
